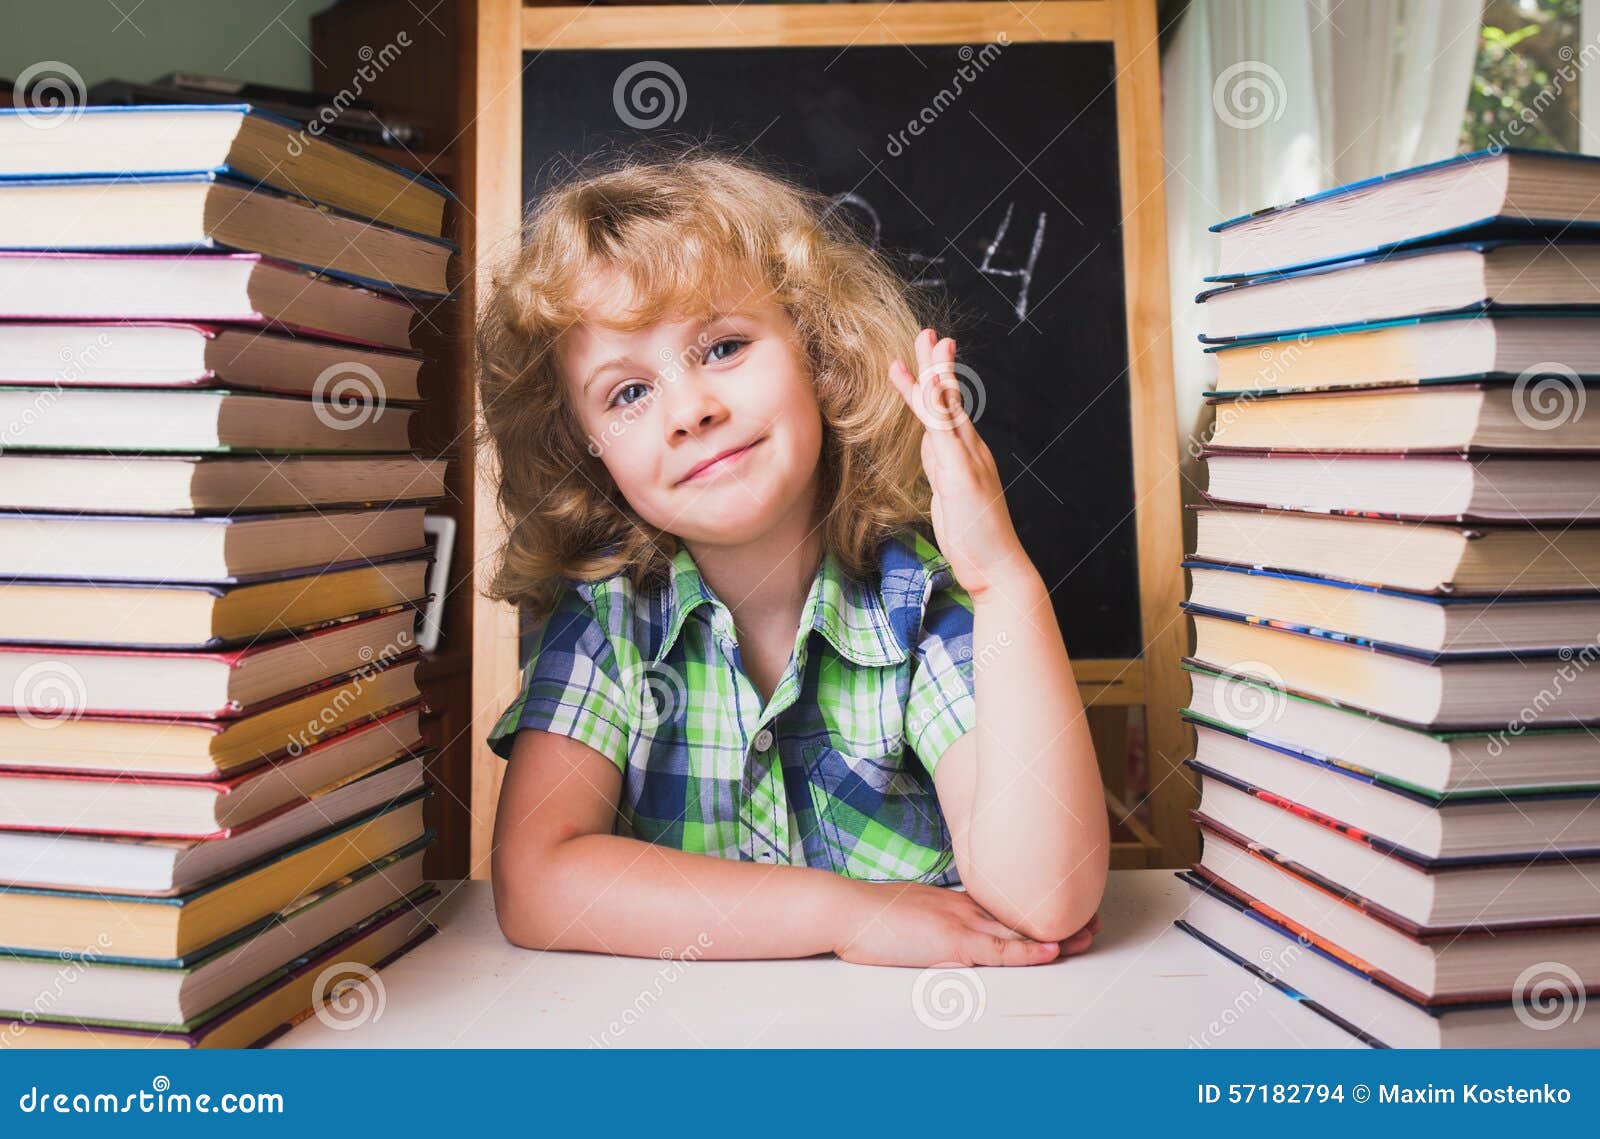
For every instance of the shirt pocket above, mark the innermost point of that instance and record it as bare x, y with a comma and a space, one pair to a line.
857, 798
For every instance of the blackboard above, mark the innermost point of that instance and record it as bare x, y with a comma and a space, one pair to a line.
1006, 195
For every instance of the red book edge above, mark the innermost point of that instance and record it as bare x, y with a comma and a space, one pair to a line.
404, 755
216, 726
1376, 975
219, 721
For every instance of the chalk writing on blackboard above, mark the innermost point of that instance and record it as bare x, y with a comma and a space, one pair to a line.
1024, 274
928, 273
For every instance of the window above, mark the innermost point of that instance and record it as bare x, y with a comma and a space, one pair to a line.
1534, 59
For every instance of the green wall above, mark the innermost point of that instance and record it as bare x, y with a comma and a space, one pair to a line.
267, 41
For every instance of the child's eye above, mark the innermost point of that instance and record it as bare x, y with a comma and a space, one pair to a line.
620, 399
734, 340
617, 397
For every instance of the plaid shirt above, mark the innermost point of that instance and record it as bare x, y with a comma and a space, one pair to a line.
820, 776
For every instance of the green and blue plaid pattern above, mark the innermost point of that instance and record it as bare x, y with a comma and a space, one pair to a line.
820, 775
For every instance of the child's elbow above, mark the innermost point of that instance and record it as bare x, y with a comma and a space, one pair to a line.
524, 912
522, 929
1064, 911
1058, 920
518, 923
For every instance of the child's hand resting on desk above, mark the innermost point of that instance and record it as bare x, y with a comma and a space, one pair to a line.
911, 924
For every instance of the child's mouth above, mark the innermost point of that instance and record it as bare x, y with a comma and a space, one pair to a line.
721, 464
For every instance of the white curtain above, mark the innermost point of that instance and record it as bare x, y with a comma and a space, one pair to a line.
1269, 100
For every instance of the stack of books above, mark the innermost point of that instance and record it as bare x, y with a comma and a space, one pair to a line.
1396, 601
211, 561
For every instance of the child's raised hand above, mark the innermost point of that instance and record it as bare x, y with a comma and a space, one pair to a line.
970, 520
917, 926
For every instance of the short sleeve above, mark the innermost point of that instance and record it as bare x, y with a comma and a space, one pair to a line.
942, 705
570, 686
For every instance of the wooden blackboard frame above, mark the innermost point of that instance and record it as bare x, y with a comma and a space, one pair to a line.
498, 32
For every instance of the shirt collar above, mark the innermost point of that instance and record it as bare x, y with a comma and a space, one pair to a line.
848, 612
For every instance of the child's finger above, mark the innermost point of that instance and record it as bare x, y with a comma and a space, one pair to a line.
900, 376
947, 461
981, 918
924, 347
940, 392
906, 384
1077, 943
918, 391
930, 381
987, 949
993, 926
960, 419
941, 404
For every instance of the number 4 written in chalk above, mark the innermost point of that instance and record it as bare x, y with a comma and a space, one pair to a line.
928, 276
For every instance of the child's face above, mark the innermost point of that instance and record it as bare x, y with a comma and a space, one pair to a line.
659, 403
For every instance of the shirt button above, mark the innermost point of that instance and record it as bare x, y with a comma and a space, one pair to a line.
763, 739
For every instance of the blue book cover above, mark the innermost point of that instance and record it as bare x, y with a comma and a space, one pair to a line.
207, 888
1487, 305
234, 109
1488, 308
1388, 648
1383, 845
1508, 597
198, 957
1444, 735
1497, 225
1382, 783
209, 244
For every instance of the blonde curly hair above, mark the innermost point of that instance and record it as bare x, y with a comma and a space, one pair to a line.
671, 223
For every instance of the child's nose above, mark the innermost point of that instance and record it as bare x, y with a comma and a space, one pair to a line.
692, 406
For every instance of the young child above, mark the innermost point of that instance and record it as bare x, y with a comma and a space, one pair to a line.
765, 715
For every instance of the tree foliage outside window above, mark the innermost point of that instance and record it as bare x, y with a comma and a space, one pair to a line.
1525, 85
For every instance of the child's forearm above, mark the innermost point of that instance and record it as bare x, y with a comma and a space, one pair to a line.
1038, 840
612, 894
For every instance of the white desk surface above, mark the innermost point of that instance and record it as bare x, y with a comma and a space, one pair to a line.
1144, 984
